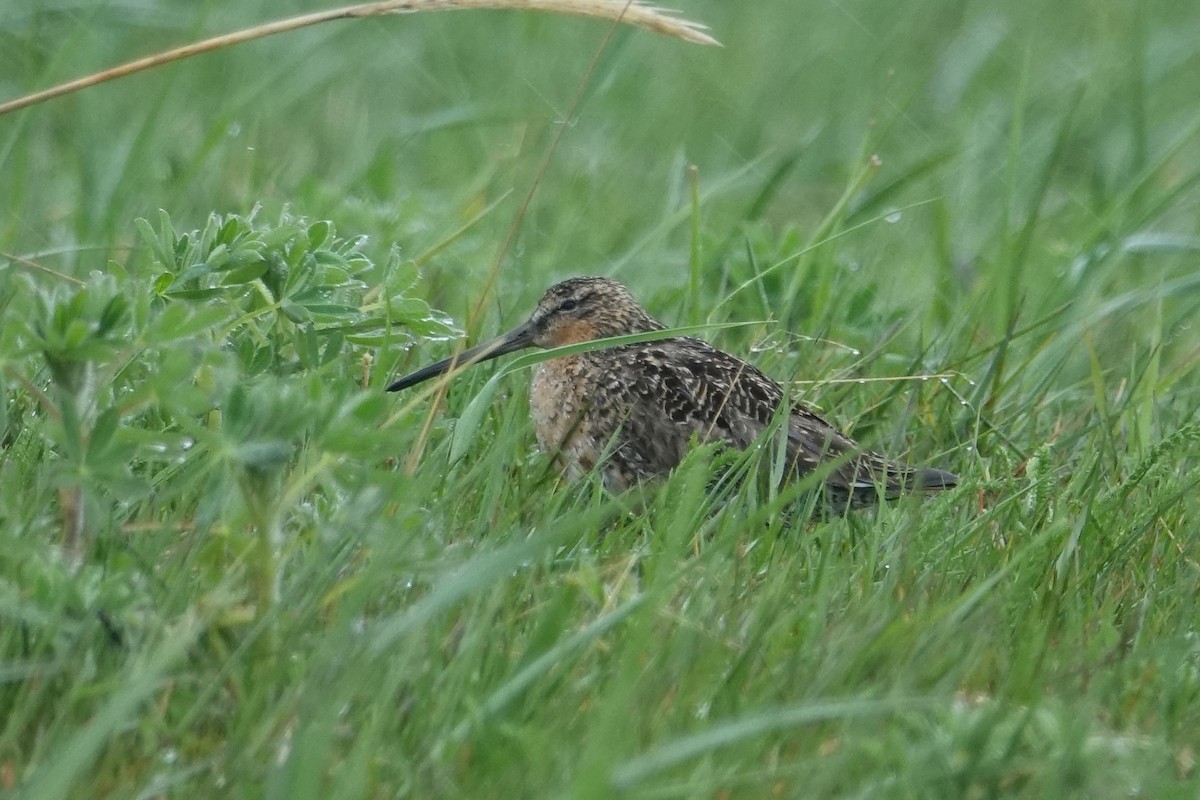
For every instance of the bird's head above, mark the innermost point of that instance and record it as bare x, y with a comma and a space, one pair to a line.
583, 309
576, 310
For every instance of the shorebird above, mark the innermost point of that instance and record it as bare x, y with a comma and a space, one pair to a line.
634, 410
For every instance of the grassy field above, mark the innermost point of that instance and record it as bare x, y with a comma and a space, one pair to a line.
233, 566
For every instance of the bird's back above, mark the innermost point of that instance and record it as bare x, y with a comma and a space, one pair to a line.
633, 411
639, 408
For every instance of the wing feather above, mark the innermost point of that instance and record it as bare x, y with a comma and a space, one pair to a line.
684, 387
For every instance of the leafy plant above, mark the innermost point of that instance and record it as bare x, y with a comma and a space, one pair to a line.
293, 291
202, 366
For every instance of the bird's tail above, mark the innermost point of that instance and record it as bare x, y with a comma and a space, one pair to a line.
931, 479
873, 477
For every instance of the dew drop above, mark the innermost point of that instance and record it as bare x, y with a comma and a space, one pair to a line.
893, 217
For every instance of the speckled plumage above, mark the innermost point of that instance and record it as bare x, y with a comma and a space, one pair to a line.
640, 406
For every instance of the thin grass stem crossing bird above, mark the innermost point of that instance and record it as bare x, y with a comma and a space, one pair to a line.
634, 410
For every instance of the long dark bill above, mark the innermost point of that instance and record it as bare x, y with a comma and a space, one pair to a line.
518, 338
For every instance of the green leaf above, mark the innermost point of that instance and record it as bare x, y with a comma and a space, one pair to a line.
114, 311
102, 433
467, 427
194, 294
218, 258
181, 321
163, 255
319, 233
251, 271
308, 346
297, 314
331, 310
233, 228
334, 342
183, 248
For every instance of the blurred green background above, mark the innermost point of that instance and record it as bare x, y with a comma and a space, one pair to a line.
1006, 195
407, 126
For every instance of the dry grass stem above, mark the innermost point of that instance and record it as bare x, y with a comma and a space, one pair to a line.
626, 11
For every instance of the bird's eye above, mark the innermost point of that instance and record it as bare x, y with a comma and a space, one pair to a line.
570, 304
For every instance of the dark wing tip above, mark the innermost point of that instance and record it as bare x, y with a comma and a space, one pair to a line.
929, 478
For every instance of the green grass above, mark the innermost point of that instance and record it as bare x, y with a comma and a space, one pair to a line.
233, 566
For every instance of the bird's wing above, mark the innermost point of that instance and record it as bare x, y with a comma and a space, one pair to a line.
704, 391
676, 389
813, 441
680, 388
